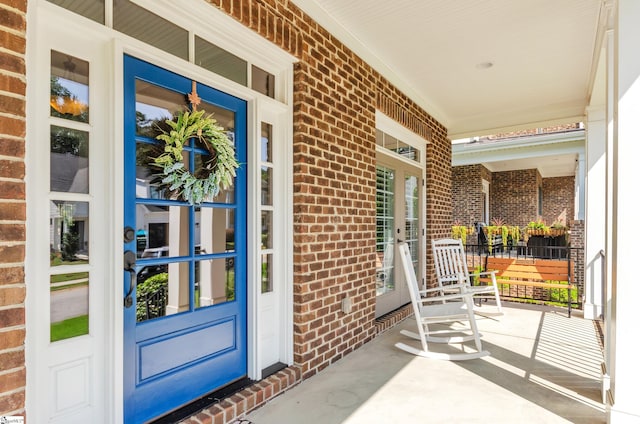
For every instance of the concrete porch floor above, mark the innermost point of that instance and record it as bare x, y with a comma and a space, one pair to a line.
543, 368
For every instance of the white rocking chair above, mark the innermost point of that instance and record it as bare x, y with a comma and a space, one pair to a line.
452, 269
447, 308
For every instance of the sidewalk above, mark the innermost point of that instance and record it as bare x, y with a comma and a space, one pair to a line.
543, 368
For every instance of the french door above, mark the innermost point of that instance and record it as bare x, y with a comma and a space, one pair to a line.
399, 204
185, 278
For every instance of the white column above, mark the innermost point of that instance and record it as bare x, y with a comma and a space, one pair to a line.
596, 219
580, 190
624, 351
213, 225
178, 286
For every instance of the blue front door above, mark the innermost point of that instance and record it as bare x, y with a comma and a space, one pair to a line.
185, 322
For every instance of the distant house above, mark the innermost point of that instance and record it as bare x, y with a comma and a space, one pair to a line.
520, 177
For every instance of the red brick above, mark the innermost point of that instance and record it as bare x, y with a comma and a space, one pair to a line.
21, 5
12, 232
12, 402
12, 211
11, 147
13, 20
11, 296
12, 105
13, 380
12, 126
10, 254
12, 63
13, 275
218, 414
12, 339
12, 84
9, 360
12, 41
12, 191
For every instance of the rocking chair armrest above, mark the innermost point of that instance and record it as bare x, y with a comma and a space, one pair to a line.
446, 297
447, 288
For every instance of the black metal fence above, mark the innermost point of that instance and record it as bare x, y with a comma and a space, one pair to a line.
152, 305
477, 258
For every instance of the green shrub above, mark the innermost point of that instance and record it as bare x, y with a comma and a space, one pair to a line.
150, 286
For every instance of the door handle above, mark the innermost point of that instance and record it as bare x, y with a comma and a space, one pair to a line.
130, 266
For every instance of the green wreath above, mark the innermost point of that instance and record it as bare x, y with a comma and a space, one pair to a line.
217, 173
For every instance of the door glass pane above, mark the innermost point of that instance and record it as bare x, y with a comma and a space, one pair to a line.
397, 146
266, 142
154, 105
266, 200
214, 230
227, 120
165, 230
139, 23
69, 88
267, 165
68, 232
263, 82
266, 174
220, 61
267, 230
412, 223
69, 301
225, 195
149, 176
267, 273
385, 224
215, 282
69, 160
162, 289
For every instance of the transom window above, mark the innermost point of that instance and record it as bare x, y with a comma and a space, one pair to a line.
397, 146
144, 25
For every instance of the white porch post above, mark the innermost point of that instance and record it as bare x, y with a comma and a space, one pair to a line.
596, 197
178, 286
579, 198
623, 326
212, 273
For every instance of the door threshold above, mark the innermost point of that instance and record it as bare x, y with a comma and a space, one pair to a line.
204, 402
232, 402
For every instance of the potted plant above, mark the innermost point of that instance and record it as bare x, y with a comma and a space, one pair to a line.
537, 228
461, 232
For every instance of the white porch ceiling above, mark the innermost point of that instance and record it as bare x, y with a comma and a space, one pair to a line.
436, 51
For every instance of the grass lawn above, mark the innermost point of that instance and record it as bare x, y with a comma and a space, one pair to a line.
56, 261
69, 286
71, 327
59, 278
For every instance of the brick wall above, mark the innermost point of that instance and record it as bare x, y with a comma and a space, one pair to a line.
335, 98
514, 196
12, 206
577, 241
558, 199
467, 192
